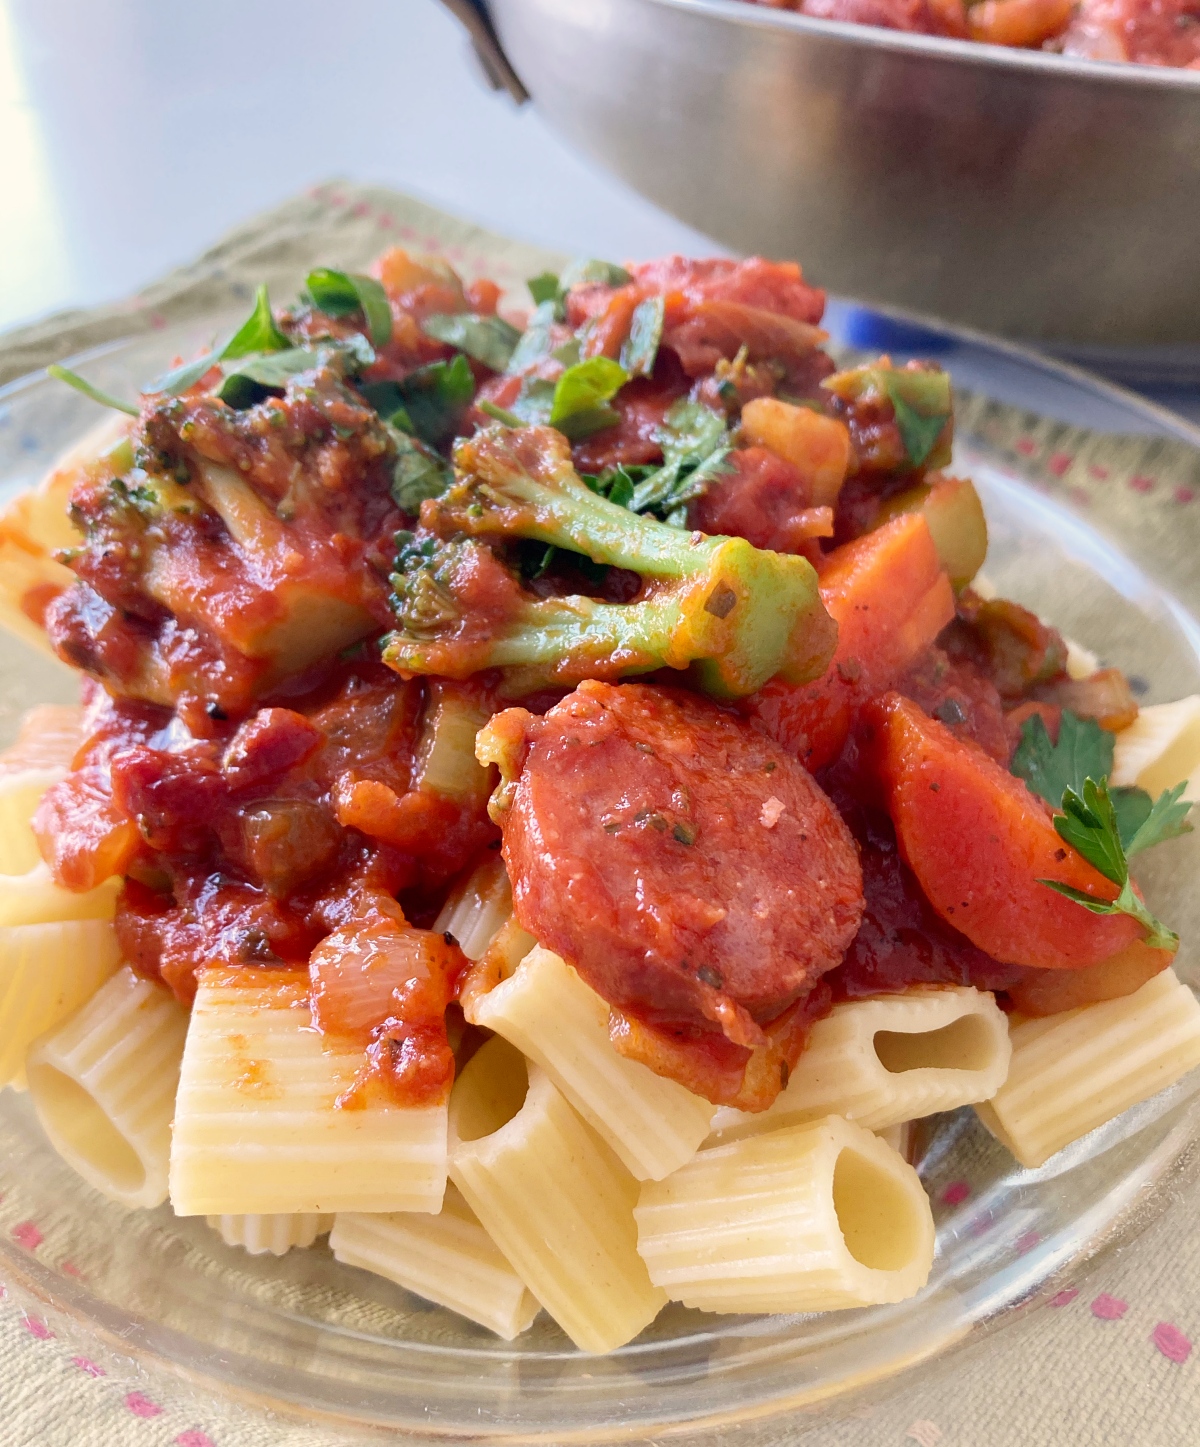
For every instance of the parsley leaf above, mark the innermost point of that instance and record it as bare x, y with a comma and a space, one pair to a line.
489, 339
1084, 751
1089, 825
73, 379
258, 333
640, 351
1166, 820
579, 405
342, 293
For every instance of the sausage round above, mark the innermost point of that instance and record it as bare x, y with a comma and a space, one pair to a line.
685, 864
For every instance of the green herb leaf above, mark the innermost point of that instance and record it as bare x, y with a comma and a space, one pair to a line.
489, 339
180, 378
585, 272
436, 396
257, 377
534, 402
1088, 823
581, 396
1132, 807
1167, 819
543, 288
923, 405
535, 340
640, 351
258, 333
341, 293
696, 447
73, 379
1158, 936
1084, 751
418, 473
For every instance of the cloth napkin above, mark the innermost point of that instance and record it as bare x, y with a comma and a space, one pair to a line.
1112, 1359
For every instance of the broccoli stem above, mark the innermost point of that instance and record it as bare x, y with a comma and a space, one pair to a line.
734, 614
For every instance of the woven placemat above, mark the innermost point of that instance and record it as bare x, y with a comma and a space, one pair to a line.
1108, 1360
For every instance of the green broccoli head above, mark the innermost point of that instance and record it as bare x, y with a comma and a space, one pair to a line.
733, 614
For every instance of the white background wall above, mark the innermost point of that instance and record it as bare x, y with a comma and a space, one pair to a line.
134, 132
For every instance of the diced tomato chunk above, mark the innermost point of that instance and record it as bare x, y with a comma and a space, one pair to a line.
890, 599
979, 844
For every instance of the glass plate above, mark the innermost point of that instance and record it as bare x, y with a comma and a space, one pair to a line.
308, 1335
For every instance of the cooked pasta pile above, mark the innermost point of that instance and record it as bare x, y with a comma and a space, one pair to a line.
548, 807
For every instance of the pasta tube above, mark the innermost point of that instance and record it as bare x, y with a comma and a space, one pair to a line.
552, 1196
808, 1218
257, 1128
103, 1084
1075, 1071
888, 1059
46, 972
476, 912
552, 1016
260, 1235
20, 794
34, 898
1161, 748
448, 1258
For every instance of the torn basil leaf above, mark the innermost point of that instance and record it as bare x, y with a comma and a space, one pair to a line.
258, 333
418, 473
428, 403
436, 396
80, 384
581, 397
590, 271
535, 339
489, 339
342, 293
696, 448
254, 379
640, 351
543, 288
180, 378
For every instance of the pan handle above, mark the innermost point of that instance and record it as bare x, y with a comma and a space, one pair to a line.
475, 20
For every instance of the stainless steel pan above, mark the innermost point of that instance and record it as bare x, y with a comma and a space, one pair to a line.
1022, 192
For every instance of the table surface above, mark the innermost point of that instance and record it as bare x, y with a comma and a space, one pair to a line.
134, 133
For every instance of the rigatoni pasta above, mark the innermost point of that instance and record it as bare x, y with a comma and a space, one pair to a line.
448, 1258
1161, 748
1073, 1072
552, 1196
103, 1084
888, 1059
547, 1012
46, 972
271, 1235
811, 1217
257, 1129
35, 898
480, 844
20, 794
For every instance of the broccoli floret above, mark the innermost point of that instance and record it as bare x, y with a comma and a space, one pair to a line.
732, 613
